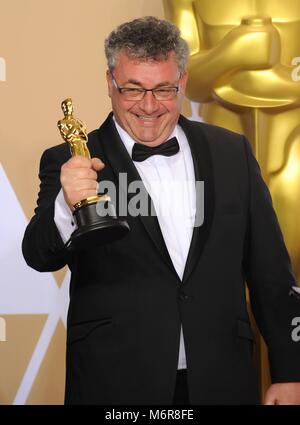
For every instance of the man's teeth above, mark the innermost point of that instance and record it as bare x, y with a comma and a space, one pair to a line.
142, 117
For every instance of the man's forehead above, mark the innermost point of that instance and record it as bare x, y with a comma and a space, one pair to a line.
140, 69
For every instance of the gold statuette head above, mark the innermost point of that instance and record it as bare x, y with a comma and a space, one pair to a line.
73, 131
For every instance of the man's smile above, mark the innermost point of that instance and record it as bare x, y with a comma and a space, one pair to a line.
146, 119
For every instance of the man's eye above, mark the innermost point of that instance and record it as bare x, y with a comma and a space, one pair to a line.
165, 90
132, 90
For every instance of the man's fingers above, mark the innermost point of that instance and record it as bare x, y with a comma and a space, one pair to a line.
78, 161
270, 397
83, 194
82, 162
269, 402
85, 184
81, 173
283, 393
78, 178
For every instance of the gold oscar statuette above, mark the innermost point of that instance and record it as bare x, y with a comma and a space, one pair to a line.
93, 227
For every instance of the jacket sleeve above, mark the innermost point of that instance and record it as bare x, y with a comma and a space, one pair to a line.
42, 246
270, 279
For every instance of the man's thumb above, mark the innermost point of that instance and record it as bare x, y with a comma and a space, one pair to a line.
97, 164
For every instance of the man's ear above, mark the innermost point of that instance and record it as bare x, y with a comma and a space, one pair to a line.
109, 82
183, 81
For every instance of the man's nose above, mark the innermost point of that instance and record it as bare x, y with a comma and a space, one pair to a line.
149, 104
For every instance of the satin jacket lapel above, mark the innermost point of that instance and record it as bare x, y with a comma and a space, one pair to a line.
120, 162
203, 172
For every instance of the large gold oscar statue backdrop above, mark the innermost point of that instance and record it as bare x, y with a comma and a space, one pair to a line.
244, 72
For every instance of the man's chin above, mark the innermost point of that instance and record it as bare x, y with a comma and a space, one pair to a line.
148, 138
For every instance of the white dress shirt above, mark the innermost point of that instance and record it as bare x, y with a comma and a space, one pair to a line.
170, 181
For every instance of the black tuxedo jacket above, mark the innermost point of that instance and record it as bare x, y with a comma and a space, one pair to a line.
127, 303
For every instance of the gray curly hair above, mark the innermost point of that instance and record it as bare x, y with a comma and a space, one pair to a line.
146, 38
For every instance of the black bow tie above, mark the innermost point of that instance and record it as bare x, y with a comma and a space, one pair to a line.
141, 152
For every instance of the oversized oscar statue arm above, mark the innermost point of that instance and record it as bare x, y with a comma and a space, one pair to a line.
260, 88
245, 47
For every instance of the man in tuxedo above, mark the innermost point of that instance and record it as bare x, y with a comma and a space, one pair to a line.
160, 317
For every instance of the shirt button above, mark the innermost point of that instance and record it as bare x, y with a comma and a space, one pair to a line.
183, 296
